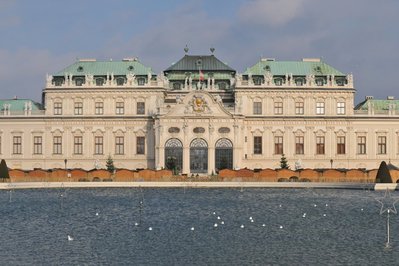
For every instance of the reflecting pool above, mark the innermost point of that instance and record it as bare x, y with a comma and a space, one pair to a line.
195, 226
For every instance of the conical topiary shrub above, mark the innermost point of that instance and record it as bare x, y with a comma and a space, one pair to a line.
4, 170
383, 175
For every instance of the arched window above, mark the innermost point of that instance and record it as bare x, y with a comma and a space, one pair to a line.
174, 155
223, 154
199, 156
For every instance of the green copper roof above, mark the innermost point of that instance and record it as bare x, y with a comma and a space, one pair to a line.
19, 104
377, 104
297, 68
197, 62
195, 76
101, 68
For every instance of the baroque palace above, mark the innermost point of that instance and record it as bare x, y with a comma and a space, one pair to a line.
199, 116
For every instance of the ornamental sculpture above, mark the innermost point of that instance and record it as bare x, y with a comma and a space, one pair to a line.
199, 105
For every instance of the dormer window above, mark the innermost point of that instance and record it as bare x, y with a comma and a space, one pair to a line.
278, 82
340, 82
80, 69
299, 82
58, 81
176, 86
120, 81
222, 85
79, 81
267, 68
130, 68
99, 81
257, 80
140, 81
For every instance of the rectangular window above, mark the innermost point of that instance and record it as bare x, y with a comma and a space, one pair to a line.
120, 108
341, 108
17, 145
140, 145
340, 145
37, 145
119, 145
278, 145
99, 108
382, 145
299, 108
299, 146
257, 108
78, 145
361, 145
320, 145
140, 108
320, 108
257, 145
98, 145
278, 108
79, 108
57, 145
57, 108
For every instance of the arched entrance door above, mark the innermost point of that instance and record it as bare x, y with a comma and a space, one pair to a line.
198, 156
223, 154
174, 155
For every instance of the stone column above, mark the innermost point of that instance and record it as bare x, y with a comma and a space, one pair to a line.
211, 150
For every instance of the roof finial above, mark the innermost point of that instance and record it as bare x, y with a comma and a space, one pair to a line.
186, 49
212, 50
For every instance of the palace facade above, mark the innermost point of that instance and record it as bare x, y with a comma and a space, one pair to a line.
199, 116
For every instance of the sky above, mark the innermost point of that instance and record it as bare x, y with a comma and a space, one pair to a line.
44, 36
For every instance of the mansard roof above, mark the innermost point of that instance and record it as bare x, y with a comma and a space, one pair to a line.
102, 68
197, 62
377, 104
298, 68
19, 104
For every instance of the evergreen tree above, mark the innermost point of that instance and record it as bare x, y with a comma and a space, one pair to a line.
110, 164
284, 162
4, 170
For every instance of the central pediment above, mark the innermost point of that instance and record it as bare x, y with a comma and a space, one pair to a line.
198, 104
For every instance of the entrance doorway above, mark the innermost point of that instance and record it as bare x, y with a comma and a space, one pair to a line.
198, 156
223, 154
174, 155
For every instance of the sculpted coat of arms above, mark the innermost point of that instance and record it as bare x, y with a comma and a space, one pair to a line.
198, 104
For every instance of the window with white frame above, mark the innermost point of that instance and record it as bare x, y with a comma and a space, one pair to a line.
341, 145
57, 145
78, 145
257, 145
37, 145
382, 144
119, 145
320, 108
58, 108
299, 108
140, 145
17, 145
340, 108
361, 145
140, 108
98, 145
99, 108
78, 108
120, 108
320, 145
257, 108
299, 145
278, 145
278, 108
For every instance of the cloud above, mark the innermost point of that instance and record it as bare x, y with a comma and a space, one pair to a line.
271, 12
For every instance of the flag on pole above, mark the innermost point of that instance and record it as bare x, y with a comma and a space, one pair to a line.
201, 75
